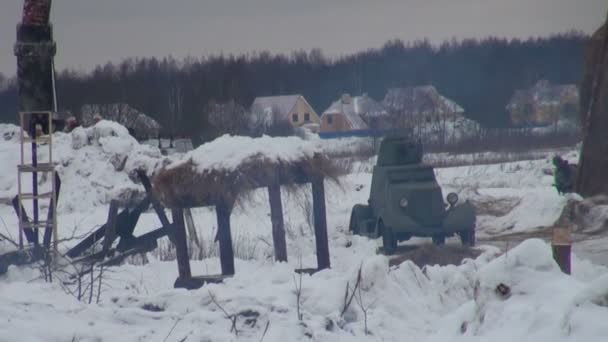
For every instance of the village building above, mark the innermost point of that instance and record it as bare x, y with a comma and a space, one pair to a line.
268, 110
139, 124
349, 113
544, 104
428, 115
420, 102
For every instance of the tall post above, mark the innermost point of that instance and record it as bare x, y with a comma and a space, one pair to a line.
35, 51
223, 211
110, 233
276, 216
318, 205
181, 245
561, 244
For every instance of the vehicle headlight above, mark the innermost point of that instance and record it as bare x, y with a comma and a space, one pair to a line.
452, 198
403, 203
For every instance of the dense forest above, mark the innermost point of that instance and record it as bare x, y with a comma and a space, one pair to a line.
480, 75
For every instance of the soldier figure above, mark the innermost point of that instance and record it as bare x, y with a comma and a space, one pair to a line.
564, 177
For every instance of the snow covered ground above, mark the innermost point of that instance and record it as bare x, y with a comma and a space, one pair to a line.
404, 302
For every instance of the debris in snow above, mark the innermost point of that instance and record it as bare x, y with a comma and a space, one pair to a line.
435, 255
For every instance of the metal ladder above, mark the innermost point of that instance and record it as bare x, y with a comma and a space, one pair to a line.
38, 138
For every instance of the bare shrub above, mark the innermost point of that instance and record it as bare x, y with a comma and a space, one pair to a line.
244, 245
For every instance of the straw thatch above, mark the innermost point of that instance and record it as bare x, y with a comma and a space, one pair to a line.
186, 186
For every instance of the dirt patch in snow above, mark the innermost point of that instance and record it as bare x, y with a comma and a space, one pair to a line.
435, 255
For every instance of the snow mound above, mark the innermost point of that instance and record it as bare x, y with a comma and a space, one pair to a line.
96, 164
541, 304
228, 152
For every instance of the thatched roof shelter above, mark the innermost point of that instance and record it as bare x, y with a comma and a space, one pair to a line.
229, 167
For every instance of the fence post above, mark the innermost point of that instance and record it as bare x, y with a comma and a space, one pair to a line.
320, 220
276, 216
181, 245
561, 244
223, 212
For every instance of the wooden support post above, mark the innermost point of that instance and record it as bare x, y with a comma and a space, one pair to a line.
276, 216
191, 227
181, 245
48, 232
160, 211
110, 233
223, 211
561, 244
318, 205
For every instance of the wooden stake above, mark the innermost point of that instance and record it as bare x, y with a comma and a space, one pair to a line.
110, 233
318, 198
181, 245
562, 248
223, 211
278, 226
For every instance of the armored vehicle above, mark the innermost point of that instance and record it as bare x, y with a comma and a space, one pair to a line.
406, 200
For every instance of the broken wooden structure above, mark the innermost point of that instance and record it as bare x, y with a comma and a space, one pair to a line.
121, 226
184, 186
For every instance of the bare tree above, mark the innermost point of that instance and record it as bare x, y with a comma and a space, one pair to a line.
269, 121
227, 118
174, 94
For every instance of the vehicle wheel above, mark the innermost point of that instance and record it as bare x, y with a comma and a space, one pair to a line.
359, 214
439, 240
467, 237
388, 239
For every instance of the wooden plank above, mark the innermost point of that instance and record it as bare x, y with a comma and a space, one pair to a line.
223, 211
561, 244
126, 230
29, 233
278, 226
143, 239
48, 232
320, 221
181, 245
95, 237
191, 227
140, 249
110, 233
160, 211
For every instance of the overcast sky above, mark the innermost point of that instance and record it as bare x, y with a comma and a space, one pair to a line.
90, 32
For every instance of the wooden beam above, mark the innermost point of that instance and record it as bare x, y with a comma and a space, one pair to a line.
96, 236
320, 220
110, 233
126, 230
278, 226
145, 239
181, 245
561, 244
191, 227
29, 233
160, 211
48, 232
223, 211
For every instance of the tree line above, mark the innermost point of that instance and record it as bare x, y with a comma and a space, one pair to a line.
479, 74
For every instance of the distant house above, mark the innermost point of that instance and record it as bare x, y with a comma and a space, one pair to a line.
420, 101
352, 114
294, 109
428, 115
544, 104
141, 125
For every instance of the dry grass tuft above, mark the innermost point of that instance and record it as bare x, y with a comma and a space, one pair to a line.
184, 186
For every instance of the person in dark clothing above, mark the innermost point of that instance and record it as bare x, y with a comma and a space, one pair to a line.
563, 175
